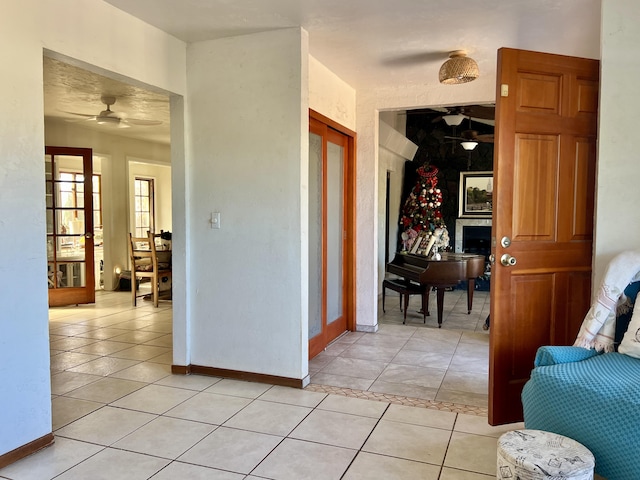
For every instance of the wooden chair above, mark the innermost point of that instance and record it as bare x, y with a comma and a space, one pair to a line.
145, 264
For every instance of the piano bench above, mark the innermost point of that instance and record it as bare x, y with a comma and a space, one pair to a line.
404, 288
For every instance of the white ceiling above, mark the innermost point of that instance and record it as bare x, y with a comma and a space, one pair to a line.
368, 43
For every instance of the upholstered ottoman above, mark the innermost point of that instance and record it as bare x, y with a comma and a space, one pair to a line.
538, 455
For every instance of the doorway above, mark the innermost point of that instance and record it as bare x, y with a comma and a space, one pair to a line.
331, 232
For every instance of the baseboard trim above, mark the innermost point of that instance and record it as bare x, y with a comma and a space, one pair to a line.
240, 375
180, 369
26, 450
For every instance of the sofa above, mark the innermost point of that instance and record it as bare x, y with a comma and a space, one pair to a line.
591, 397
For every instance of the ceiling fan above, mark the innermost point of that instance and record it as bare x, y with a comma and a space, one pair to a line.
473, 136
114, 119
479, 113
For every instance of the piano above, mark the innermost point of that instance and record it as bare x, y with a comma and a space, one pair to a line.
449, 271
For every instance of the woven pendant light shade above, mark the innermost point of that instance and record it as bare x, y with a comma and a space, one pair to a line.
458, 69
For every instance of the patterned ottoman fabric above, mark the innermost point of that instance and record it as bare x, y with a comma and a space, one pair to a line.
595, 401
537, 455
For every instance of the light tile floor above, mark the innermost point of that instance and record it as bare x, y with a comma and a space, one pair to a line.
420, 361
118, 412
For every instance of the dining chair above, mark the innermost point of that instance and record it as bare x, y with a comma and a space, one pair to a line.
145, 264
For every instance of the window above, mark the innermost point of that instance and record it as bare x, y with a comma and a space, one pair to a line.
71, 187
144, 206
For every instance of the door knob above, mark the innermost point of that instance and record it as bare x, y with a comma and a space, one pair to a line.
507, 260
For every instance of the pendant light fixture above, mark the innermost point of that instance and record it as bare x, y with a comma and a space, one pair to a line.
458, 69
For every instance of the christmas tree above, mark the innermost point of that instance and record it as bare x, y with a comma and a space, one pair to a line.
421, 217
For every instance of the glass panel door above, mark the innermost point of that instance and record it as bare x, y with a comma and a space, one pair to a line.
315, 235
69, 204
328, 150
335, 231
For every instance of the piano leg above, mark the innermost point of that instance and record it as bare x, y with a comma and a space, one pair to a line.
471, 286
440, 298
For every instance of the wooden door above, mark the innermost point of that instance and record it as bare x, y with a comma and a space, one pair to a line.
331, 233
69, 204
544, 173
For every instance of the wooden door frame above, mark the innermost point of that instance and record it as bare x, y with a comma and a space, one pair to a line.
68, 296
349, 220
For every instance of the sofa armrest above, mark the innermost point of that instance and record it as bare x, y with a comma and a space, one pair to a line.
553, 355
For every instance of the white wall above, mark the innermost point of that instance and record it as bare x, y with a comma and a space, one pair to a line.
618, 195
92, 31
248, 100
330, 95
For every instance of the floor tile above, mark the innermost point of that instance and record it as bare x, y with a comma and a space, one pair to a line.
65, 410
474, 453
110, 464
105, 347
105, 426
154, 399
209, 408
353, 406
136, 336
140, 352
465, 381
102, 333
411, 375
238, 388
233, 450
144, 372
295, 460
367, 466
334, 428
69, 343
179, 471
64, 382
403, 389
353, 367
293, 396
411, 442
51, 461
165, 437
462, 398
437, 360
106, 390
420, 416
371, 352
190, 382
480, 426
323, 378
103, 366
66, 360
454, 474
268, 417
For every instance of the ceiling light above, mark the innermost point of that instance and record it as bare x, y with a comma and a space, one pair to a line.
458, 69
469, 145
453, 120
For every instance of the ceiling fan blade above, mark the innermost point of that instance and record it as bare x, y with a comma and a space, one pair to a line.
86, 115
139, 121
485, 121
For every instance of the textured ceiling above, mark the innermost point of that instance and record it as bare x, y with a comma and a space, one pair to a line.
370, 44
68, 88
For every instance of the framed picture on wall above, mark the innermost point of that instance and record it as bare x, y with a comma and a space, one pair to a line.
476, 194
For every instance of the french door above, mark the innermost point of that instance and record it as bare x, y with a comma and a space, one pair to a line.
69, 204
331, 234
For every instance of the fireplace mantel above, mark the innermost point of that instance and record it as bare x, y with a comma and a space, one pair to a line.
468, 222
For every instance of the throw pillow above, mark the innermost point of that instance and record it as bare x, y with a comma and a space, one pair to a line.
630, 344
